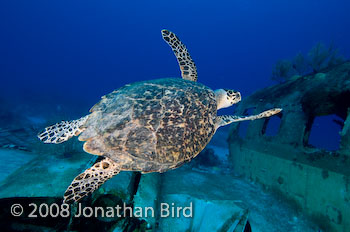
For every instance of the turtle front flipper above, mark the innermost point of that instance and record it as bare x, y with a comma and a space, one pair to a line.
90, 180
61, 132
228, 119
187, 65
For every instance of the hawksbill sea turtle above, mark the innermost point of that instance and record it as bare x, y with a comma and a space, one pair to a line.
149, 126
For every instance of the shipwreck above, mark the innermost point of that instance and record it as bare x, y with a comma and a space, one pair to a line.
281, 154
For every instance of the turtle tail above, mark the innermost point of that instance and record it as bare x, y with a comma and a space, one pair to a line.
61, 132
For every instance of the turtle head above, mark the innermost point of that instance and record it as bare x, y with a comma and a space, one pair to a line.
226, 97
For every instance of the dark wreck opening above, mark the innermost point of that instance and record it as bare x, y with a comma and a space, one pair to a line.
242, 130
272, 125
325, 132
325, 121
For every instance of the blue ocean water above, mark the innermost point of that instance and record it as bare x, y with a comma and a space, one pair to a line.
77, 51
71, 53
59, 57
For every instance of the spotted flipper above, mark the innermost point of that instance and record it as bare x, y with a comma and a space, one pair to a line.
61, 132
228, 119
187, 65
90, 180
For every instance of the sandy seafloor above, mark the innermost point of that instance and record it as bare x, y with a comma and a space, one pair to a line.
29, 174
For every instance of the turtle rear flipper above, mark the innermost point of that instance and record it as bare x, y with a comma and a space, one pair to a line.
61, 132
90, 180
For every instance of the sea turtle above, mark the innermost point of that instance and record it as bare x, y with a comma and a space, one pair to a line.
149, 126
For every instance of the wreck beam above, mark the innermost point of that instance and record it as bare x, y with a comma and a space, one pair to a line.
345, 137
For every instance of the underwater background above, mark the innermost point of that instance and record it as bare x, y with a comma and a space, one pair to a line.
68, 54
57, 58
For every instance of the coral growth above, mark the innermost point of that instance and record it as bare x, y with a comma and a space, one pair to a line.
321, 57
318, 58
283, 70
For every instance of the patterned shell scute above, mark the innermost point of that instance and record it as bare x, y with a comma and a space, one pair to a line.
152, 123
